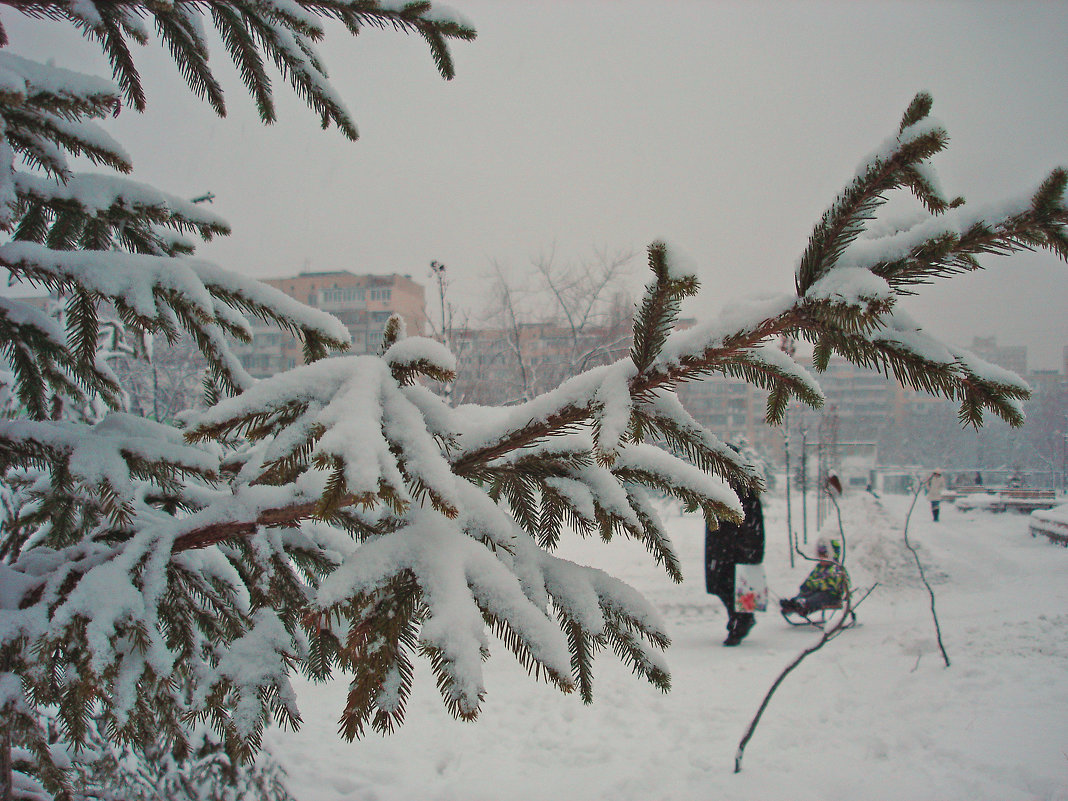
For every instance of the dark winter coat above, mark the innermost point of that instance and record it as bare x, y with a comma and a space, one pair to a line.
732, 544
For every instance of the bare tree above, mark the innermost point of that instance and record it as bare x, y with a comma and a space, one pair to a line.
163, 378
545, 326
591, 297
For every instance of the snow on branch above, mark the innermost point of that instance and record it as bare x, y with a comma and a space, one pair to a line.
133, 278
111, 459
919, 360
271, 304
99, 195
889, 167
64, 91
660, 469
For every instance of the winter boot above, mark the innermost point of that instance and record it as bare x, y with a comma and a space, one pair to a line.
738, 627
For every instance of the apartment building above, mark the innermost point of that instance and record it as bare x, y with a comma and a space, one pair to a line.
863, 400
363, 303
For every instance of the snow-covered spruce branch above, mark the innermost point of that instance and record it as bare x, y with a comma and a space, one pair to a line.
848, 310
894, 166
740, 353
285, 33
100, 620
562, 418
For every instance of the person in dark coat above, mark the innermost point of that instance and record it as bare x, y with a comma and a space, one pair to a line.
729, 545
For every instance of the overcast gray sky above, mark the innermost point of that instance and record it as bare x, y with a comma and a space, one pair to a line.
723, 128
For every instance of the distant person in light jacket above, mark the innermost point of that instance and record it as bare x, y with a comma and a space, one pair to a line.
936, 488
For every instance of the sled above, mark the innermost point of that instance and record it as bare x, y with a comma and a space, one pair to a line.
818, 618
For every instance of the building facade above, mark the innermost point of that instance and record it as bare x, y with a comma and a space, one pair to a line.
734, 411
363, 303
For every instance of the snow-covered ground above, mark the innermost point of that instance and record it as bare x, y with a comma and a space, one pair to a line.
873, 715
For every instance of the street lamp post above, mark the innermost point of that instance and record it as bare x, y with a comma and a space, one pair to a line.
789, 347
437, 269
804, 482
1064, 457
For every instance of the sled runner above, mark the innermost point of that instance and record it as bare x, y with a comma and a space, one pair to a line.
817, 617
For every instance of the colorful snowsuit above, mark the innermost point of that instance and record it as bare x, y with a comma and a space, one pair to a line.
824, 586
825, 577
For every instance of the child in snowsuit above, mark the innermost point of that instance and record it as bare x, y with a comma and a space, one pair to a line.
825, 585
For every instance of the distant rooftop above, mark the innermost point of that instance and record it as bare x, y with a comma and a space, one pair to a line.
329, 273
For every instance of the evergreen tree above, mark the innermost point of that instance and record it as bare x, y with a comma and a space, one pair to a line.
342, 517
80, 474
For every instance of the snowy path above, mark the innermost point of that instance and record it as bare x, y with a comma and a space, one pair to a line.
874, 715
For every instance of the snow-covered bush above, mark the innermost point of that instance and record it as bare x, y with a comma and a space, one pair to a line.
341, 516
